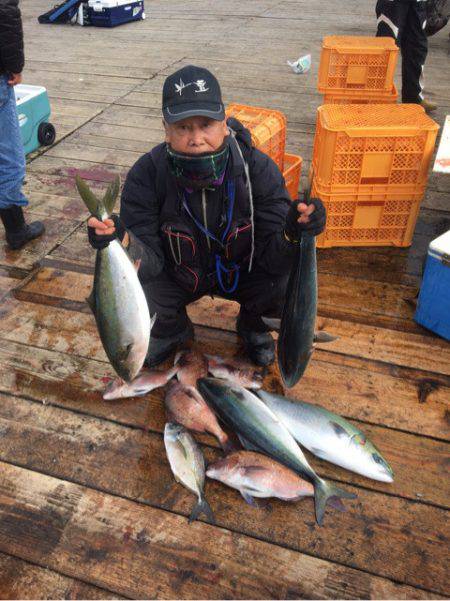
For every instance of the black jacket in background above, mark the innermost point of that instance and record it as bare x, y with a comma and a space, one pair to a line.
11, 38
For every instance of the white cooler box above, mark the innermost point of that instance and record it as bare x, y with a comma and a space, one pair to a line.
433, 306
110, 13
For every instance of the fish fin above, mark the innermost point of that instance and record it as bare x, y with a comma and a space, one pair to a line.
324, 492
247, 444
248, 498
93, 204
91, 301
336, 503
202, 507
251, 469
318, 453
170, 373
177, 357
322, 336
340, 431
272, 322
137, 264
111, 194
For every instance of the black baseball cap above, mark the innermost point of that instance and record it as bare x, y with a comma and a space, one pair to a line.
192, 91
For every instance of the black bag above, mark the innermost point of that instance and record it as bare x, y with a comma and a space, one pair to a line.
61, 13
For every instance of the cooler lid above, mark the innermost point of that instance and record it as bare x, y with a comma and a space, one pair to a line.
440, 247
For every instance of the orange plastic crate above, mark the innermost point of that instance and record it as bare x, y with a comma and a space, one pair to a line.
357, 63
352, 97
359, 147
357, 221
267, 127
291, 174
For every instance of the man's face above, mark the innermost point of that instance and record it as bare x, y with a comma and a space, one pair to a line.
196, 135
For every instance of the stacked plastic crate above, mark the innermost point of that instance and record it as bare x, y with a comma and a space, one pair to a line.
358, 70
268, 131
370, 168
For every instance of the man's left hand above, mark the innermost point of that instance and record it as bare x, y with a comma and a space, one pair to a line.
302, 217
14, 79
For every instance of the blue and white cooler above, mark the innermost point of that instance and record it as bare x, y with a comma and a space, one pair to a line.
110, 13
433, 307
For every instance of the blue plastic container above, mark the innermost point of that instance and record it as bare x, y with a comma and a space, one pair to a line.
33, 110
433, 307
110, 13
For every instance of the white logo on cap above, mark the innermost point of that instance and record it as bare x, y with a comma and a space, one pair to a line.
200, 83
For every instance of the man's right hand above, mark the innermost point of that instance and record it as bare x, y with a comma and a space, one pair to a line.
101, 233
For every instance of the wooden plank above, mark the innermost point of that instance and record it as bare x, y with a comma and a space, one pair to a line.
403, 451
195, 561
341, 297
402, 399
22, 580
110, 540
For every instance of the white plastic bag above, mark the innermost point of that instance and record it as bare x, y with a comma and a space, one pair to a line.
301, 65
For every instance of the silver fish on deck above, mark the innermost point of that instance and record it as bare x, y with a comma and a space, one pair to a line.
188, 466
191, 365
117, 299
296, 338
235, 371
329, 436
256, 475
144, 383
252, 419
186, 406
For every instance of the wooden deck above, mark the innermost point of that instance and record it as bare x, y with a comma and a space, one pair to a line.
88, 506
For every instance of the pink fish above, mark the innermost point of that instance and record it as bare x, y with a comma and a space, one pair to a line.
238, 372
191, 365
256, 475
185, 405
147, 381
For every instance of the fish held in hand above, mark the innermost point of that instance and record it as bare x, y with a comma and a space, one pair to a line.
329, 436
188, 466
186, 406
117, 299
235, 371
296, 338
144, 383
256, 475
191, 365
250, 417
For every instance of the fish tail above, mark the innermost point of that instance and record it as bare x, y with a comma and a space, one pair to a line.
100, 208
202, 507
325, 493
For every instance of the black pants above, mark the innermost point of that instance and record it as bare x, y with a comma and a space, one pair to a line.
258, 293
405, 20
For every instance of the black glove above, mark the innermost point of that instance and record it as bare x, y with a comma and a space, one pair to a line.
99, 241
315, 226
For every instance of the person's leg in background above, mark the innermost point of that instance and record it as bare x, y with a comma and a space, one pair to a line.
414, 52
12, 173
404, 20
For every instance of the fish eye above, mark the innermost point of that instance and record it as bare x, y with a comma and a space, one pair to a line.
378, 459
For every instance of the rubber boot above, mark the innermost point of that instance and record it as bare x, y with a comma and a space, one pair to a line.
161, 348
18, 233
258, 342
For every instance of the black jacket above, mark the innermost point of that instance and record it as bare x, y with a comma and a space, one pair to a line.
142, 197
11, 38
